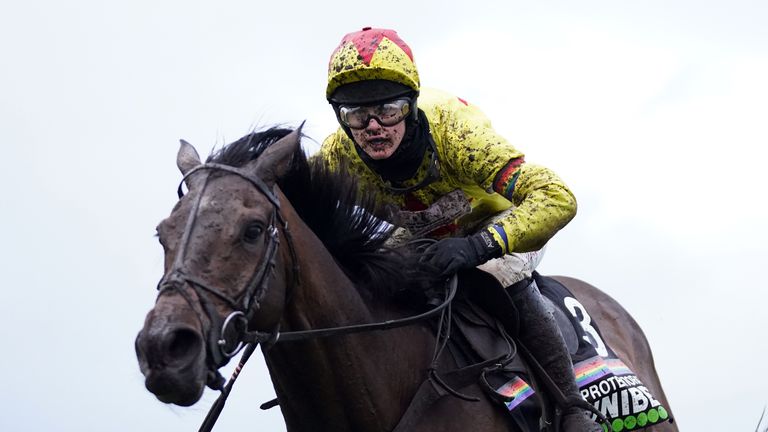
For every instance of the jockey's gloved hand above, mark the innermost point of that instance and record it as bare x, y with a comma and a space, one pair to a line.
450, 255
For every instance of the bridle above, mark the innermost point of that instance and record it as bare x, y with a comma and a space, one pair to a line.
224, 337
227, 336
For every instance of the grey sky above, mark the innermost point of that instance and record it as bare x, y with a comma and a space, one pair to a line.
653, 112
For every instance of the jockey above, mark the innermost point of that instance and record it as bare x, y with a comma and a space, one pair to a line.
450, 176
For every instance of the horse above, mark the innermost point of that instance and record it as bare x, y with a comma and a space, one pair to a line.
267, 243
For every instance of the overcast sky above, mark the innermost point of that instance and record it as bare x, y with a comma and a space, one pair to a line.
654, 112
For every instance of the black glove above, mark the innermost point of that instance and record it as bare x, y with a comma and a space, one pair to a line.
450, 255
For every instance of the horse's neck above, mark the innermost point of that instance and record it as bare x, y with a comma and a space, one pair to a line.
344, 383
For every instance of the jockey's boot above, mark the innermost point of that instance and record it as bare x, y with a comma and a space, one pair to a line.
538, 331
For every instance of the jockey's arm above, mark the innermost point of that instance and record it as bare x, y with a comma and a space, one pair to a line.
543, 203
543, 206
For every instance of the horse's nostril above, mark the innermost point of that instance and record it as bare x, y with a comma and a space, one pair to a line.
183, 345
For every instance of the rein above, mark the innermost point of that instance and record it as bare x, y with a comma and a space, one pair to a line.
269, 339
219, 346
272, 338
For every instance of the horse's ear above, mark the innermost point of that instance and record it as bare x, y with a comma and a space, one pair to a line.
187, 158
275, 162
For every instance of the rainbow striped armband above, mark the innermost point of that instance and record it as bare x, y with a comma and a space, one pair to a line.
504, 182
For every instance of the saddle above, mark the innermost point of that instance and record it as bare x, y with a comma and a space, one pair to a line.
484, 353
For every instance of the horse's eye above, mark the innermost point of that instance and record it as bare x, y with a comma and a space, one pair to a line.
252, 232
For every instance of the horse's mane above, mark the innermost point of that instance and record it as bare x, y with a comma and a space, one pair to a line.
342, 216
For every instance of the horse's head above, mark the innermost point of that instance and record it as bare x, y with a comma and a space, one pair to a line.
221, 248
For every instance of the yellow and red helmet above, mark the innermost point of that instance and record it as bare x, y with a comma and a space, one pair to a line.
372, 54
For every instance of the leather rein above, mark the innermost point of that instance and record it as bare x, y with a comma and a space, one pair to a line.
220, 347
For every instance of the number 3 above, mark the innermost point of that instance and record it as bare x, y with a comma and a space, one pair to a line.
580, 313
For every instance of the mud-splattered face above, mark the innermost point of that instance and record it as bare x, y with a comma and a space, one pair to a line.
377, 141
220, 259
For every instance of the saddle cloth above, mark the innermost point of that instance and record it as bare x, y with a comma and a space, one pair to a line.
605, 381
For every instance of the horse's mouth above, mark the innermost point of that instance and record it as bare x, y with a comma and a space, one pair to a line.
174, 388
174, 399
172, 380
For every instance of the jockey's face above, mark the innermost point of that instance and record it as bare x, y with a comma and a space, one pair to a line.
377, 141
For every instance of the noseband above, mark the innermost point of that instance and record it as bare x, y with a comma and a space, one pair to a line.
224, 338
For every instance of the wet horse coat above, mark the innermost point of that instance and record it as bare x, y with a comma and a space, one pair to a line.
359, 382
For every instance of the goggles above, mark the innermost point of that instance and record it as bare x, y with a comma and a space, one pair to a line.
387, 114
